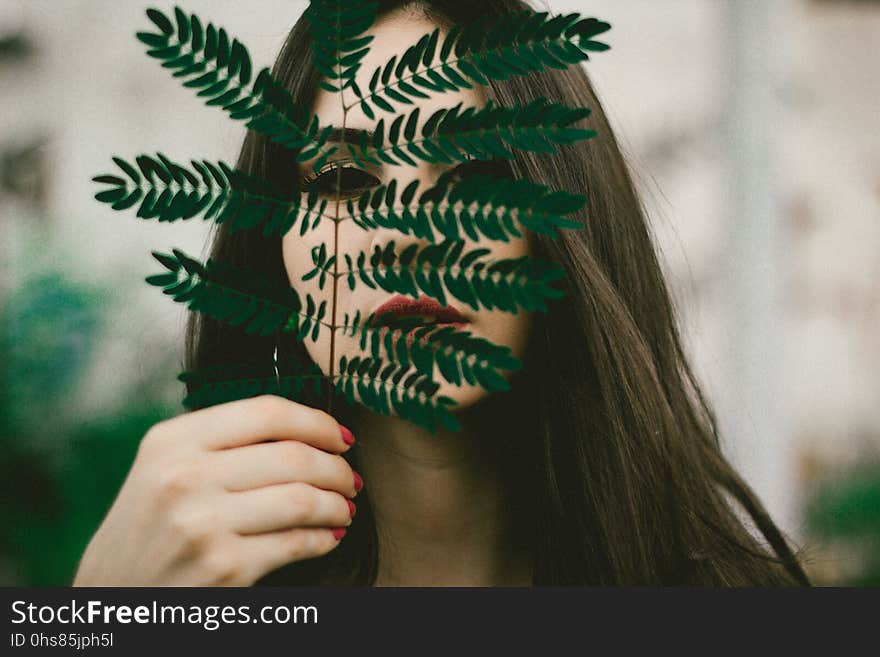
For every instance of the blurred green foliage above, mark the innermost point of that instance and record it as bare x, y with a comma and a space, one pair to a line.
61, 467
846, 510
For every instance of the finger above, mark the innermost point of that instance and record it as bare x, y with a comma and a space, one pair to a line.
280, 462
287, 506
270, 551
267, 417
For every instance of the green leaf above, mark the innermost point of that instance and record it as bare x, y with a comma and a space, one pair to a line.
236, 296
338, 46
454, 352
477, 207
520, 43
219, 193
153, 40
460, 134
183, 31
389, 389
267, 107
392, 375
111, 180
246, 379
508, 284
161, 21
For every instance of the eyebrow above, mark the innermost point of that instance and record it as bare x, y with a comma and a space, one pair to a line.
349, 135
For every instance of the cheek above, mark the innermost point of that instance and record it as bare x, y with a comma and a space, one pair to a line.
296, 252
503, 328
511, 331
506, 329
298, 262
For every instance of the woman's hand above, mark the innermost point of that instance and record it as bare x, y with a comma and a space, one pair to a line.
209, 502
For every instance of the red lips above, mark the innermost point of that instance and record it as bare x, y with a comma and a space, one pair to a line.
401, 306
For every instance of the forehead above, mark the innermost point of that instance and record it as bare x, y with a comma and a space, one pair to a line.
393, 34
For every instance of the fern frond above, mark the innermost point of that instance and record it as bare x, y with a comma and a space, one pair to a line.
508, 284
475, 206
387, 387
169, 192
400, 356
519, 43
221, 69
457, 354
337, 28
457, 134
238, 297
381, 387
233, 381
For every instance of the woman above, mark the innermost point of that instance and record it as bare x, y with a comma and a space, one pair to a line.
600, 466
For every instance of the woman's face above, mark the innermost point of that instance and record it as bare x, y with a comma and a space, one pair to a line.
393, 34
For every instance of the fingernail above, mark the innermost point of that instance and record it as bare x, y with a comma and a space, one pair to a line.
347, 435
338, 533
358, 482
352, 509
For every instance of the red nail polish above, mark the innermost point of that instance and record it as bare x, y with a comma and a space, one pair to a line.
338, 533
347, 435
358, 482
352, 509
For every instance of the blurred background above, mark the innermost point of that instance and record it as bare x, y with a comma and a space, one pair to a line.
751, 128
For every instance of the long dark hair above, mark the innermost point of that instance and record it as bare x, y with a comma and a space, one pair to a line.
621, 477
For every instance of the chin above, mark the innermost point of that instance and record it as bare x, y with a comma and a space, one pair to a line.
466, 396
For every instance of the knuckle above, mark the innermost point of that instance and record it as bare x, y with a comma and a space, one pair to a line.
275, 411
323, 541
343, 468
302, 501
304, 544
345, 475
344, 509
222, 565
320, 418
192, 528
272, 408
294, 546
298, 455
179, 480
154, 436
341, 515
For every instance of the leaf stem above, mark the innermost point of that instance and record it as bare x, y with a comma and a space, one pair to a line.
336, 240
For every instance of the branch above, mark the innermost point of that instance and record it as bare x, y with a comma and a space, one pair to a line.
475, 206
337, 27
520, 43
508, 284
238, 297
222, 70
458, 135
171, 192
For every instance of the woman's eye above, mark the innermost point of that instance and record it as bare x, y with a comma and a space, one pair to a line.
351, 182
